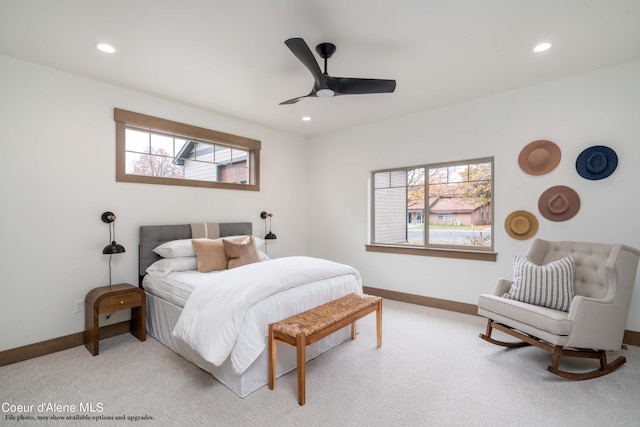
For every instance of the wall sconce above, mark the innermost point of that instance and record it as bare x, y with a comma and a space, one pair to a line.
113, 248
264, 215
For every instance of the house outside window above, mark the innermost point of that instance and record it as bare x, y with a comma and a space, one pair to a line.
453, 199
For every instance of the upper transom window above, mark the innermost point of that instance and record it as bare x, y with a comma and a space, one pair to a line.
158, 151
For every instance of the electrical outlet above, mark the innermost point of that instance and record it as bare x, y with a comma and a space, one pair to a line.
79, 305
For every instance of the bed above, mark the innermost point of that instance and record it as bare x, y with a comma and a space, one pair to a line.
171, 308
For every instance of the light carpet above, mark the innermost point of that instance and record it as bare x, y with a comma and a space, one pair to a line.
431, 370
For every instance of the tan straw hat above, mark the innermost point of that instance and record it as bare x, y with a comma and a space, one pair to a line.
559, 203
521, 225
539, 157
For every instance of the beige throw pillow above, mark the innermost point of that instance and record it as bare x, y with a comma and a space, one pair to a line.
241, 251
210, 255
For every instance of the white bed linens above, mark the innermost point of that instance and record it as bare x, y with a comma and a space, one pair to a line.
212, 318
176, 287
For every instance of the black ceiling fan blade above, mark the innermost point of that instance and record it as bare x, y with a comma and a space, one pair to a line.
327, 86
294, 100
300, 49
291, 101
354, 86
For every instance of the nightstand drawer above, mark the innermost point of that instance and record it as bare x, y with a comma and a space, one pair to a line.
120, 302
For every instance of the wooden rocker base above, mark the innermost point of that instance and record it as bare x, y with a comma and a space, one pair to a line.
558, 351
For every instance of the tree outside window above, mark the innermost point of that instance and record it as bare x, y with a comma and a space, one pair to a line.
444, 205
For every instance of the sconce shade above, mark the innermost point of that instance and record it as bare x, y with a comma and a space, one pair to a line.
113, 248
270, 236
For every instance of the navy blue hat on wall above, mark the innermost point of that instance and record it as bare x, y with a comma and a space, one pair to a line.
596, 162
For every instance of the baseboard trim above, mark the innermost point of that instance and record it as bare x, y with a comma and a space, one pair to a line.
630, 337
443, 304
53, 345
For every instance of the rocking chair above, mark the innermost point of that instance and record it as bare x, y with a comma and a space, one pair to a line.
598, 303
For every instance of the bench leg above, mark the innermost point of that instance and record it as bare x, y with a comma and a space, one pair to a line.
353, 331
379, 323
272, 359
301, 345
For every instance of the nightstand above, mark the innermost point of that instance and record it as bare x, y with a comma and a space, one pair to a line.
109, 299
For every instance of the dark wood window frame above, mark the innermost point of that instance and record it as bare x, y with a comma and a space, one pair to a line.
124, 119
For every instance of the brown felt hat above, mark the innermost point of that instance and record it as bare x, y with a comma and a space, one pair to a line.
559, 203
521, 225
539, 157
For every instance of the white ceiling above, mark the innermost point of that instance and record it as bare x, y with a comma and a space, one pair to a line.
229, 56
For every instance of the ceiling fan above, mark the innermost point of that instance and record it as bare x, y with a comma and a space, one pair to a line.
326, 85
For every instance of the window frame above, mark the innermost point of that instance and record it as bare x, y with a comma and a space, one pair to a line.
124, 119
437, 250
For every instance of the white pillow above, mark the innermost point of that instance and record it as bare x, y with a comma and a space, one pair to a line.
175, 248
164, 266
549, 285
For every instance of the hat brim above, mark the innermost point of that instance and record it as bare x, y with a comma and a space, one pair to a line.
528, 216
567, 193
608, 153
554, 157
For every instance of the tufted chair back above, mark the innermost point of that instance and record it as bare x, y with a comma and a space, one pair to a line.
591, 276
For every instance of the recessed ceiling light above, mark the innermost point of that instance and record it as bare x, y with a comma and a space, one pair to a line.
306, 118
106, 48
542, 47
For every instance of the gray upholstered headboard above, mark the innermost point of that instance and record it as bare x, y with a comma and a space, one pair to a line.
154, 235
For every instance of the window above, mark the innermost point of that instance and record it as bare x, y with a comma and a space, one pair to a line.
454, 200
158, 151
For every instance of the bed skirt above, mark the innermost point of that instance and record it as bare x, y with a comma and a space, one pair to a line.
162, 317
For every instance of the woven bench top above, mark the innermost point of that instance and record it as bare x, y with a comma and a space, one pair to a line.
320, 317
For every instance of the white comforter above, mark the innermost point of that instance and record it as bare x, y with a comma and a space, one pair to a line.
213, 315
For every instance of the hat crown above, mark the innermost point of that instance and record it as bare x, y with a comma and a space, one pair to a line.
596, 162
520, 225
558, 204
539, 158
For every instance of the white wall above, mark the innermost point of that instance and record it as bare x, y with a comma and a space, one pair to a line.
58, 175
597, 108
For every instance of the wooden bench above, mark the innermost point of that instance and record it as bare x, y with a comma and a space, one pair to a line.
312, 325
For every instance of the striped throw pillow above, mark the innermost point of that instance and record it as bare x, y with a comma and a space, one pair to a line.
549, 285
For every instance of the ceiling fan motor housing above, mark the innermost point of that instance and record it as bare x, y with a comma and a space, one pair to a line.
326, 50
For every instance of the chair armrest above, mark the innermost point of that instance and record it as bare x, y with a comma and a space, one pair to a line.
597, 323
502, 287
